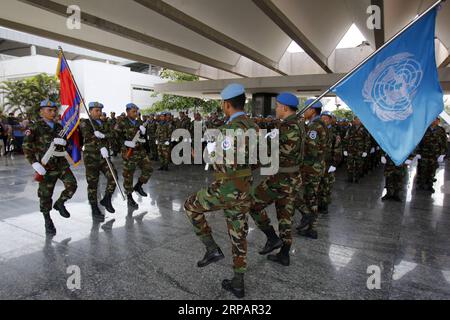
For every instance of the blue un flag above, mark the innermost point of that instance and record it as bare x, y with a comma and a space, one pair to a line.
397, 93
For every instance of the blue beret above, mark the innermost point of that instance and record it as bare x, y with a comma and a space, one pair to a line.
232, 90
48, 104
288, 99
95, 105
327, 113
316, 105
132, 106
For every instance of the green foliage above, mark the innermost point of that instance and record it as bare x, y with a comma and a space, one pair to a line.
344, 113
24, 96
178, 103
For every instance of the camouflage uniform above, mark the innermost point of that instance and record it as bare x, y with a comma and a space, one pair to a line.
93, 160
127, 130
231, 192
151, 136
37, 141
313, 168
113, 141
333, 156
163, 136
433, 144
395, 176
283, 187
356, 142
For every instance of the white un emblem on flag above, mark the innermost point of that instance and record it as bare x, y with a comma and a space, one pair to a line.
392, 85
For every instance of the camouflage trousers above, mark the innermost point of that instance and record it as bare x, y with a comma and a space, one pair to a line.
355, 166
426, 170
140, 160
394, 178
95, 165
326, 185
153, 148
47, 185
282, 189
164, 154
223, 195
308, 199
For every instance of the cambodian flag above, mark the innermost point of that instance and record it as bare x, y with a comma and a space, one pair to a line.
71, 102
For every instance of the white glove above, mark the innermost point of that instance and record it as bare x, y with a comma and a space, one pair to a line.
143, 130
441, 158
332, 169
167, 143
211, 146
104, 152
383, 160
130, 144
378, 148
408, 162
39, 168
372, 150
99, 135
364, 154
418, 157
345, 154
190, 140
60, 142
156, 142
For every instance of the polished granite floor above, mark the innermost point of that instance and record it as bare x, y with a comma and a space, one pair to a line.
151, 253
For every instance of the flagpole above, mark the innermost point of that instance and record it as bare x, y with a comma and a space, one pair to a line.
91, 122
370, 56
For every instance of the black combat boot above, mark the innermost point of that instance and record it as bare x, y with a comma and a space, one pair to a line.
138, 189
396, 197
50, 229
213, 252
96, 211
131, 202
161, 168
386, 197
281, 257
166, 167
106, 202
235, 285
59, 205
273, 241
323, 209
308, 232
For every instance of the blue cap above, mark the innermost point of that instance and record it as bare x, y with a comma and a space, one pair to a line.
93, 105
316, 105
48, 104
232, 90
132, 106
327, 113
288, 99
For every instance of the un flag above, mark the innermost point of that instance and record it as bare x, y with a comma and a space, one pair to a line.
396, 93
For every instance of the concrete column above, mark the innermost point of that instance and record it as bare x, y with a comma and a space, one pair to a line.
33, 50
264, 104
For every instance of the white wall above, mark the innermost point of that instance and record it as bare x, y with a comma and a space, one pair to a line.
109, 84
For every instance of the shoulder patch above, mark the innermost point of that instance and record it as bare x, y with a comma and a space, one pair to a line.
313, 135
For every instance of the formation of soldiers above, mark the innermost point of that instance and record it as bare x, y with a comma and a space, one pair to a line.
311, 148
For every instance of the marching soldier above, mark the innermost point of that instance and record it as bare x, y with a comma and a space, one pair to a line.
283, 187
356, 143
37, 142
313, 168
151, 134
163, 139
133, 154
230, 191
395, 176
95, 154
430, 152
333, 156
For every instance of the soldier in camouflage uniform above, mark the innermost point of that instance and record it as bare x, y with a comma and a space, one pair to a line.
163, 139
333, 156
113, 142
313, 168
127, 131
395, 176
95, 154
431, 151
151, 137
283, 187
355, 144
36, 143
230, 191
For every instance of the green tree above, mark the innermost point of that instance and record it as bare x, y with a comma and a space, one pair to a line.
344, 113
23, 96
179, 103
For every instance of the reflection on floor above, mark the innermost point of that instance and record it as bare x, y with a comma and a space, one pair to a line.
151, 253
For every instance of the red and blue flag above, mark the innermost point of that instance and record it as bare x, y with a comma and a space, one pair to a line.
71, 104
